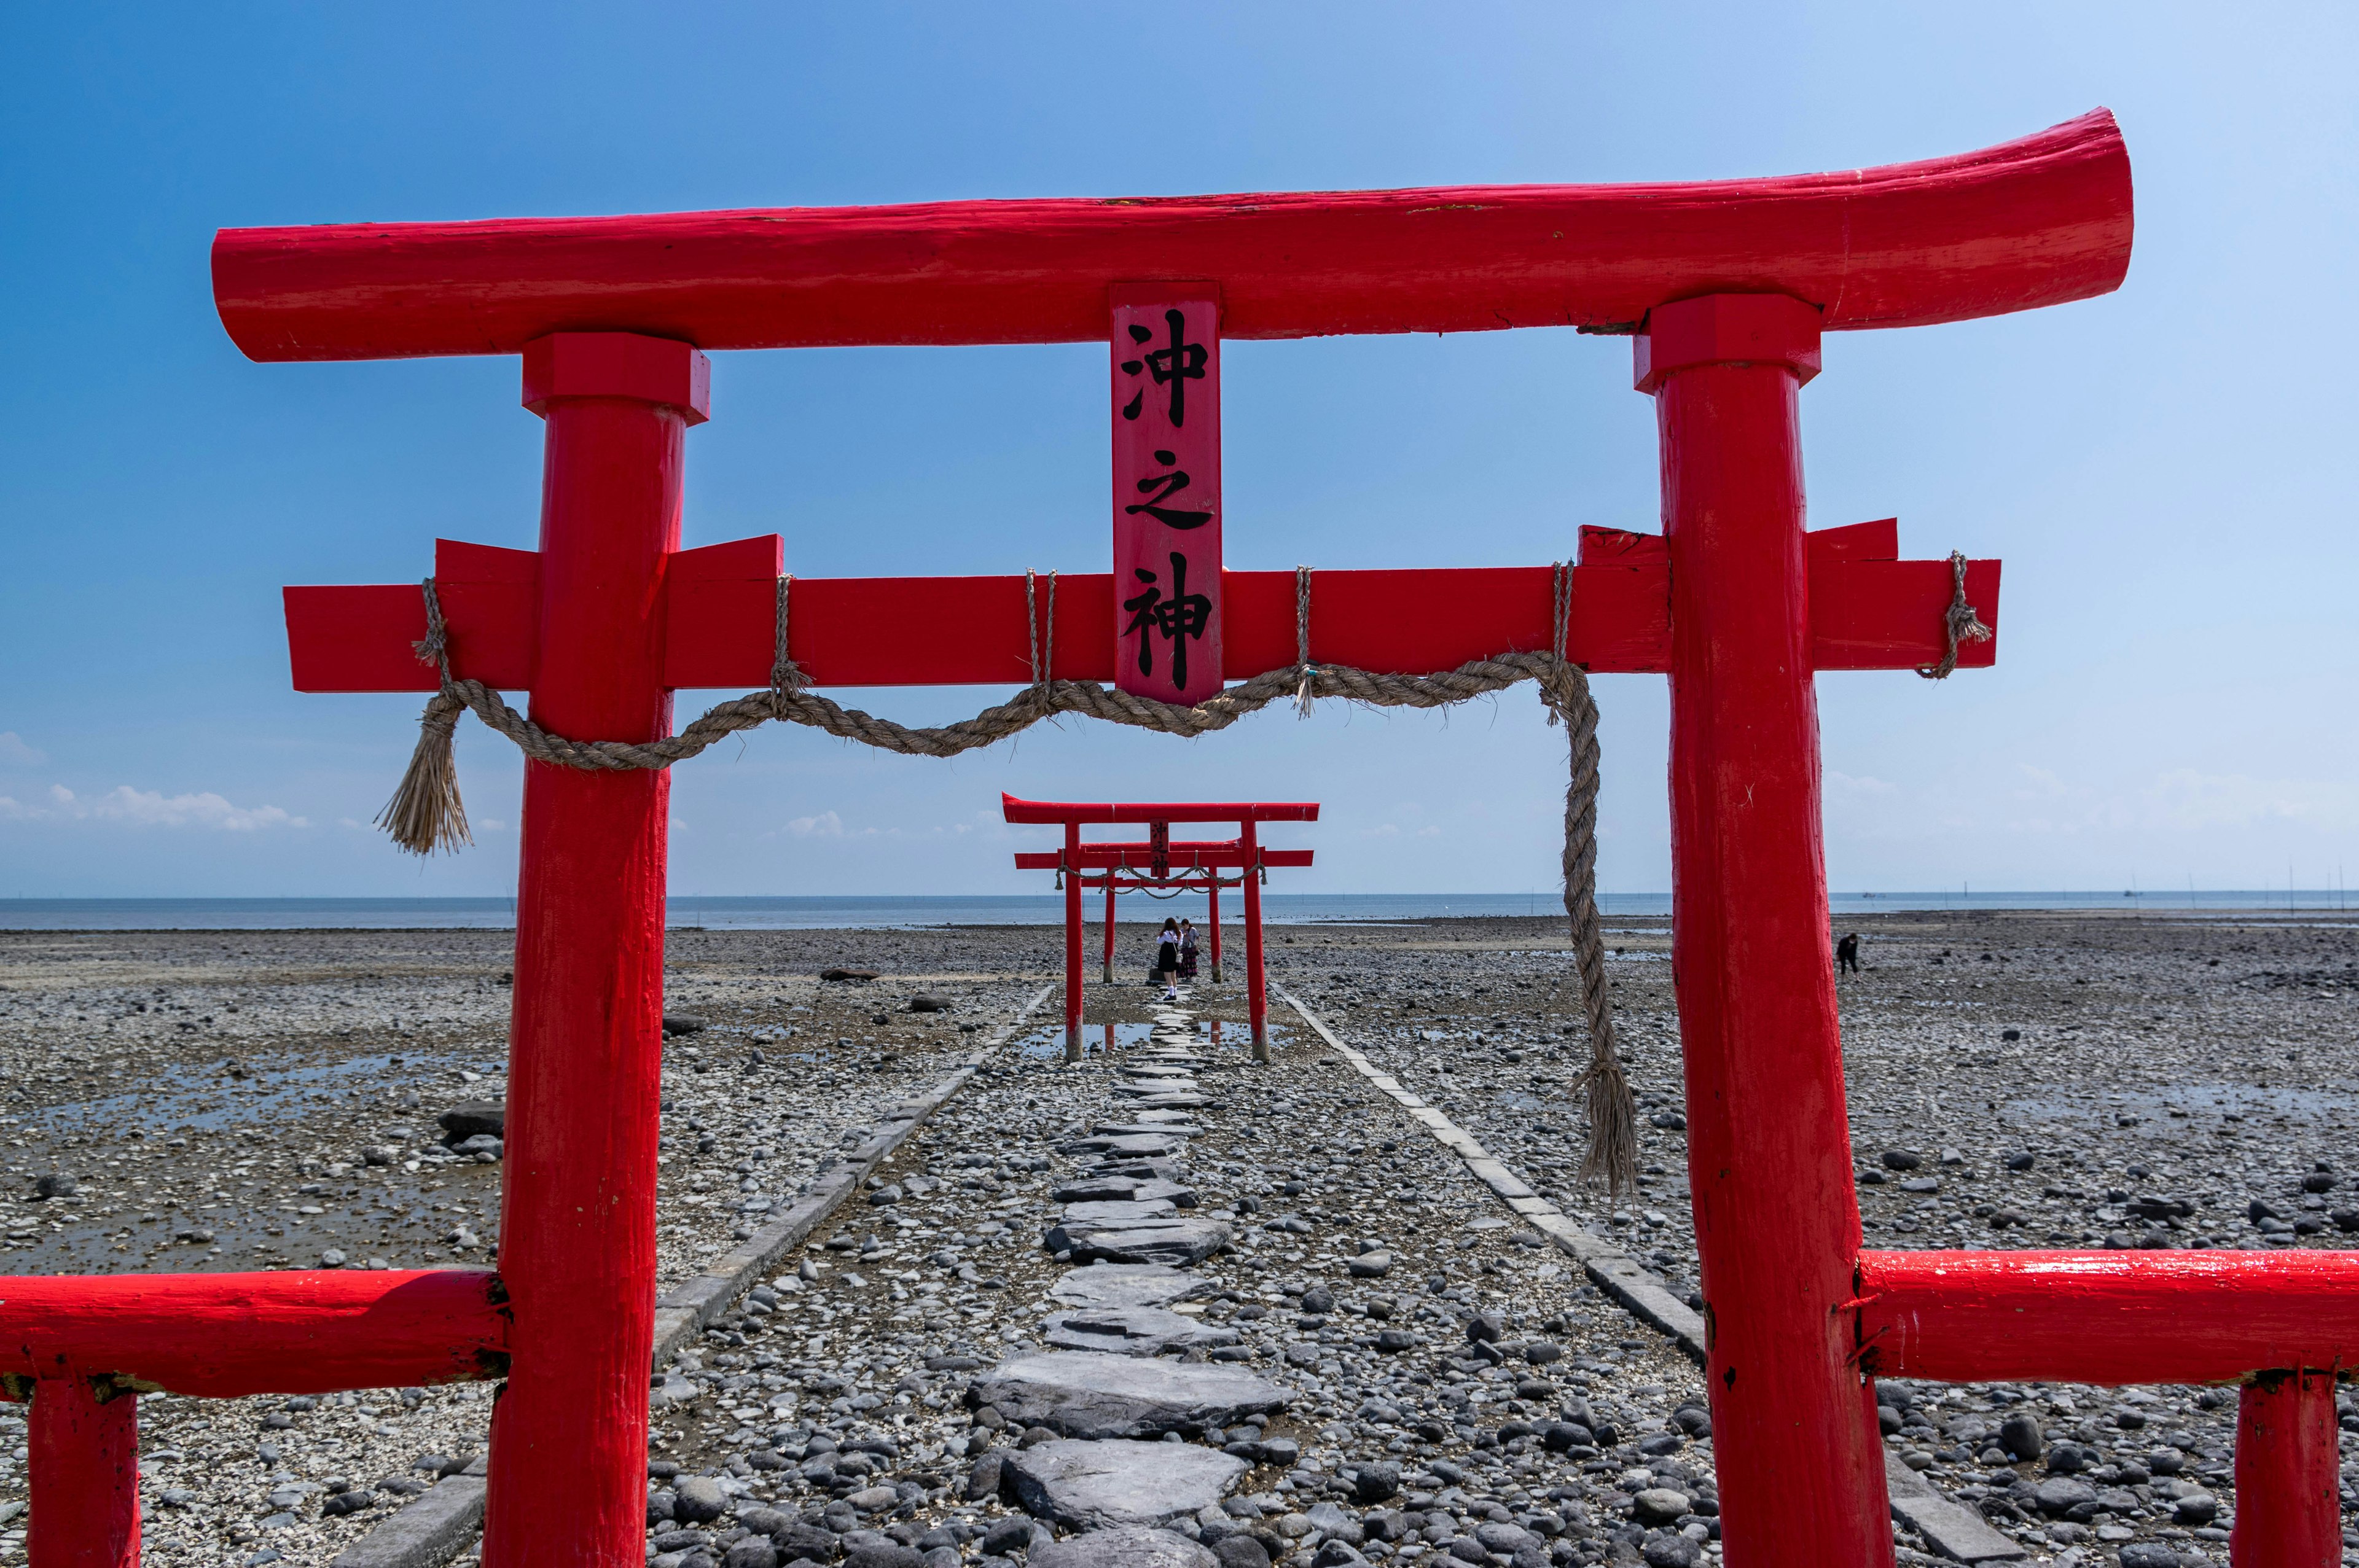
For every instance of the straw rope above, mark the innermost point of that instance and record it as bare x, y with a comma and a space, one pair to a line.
426, 813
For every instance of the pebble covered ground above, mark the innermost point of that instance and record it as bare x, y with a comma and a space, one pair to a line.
236, 1100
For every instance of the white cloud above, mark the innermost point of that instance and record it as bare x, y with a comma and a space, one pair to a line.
1847, 783
826, 824
16, 753
152, 809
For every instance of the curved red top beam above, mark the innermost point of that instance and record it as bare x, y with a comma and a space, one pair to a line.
2032, 222
1177, 811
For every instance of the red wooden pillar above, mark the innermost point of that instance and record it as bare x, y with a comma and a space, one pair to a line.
1257, 999
1072, 941
2289, 1511
1801, 1471
1212, 920
570, 1434
1109, 930
82, 1459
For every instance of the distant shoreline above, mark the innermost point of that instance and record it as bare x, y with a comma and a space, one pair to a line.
852, 911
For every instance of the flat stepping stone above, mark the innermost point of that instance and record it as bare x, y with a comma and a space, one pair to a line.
1127, 1285
1145, 1130
1127, 1548
1146, 1145
1108, 1485
1176, 1242
1183, 1101
1123, 1189
1117, 1211
1090, 1394
1133, 1331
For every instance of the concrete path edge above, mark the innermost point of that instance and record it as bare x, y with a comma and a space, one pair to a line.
1955, 1531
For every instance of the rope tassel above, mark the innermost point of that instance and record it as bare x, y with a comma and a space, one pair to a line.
426, 813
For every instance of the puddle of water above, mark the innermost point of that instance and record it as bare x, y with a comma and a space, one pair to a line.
2205, 1099
281, 1093
1099, 1039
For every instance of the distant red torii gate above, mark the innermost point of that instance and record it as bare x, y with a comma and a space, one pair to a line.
1155, 861
1724, 288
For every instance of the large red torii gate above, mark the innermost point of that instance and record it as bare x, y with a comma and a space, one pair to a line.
1726, 288
1155, 861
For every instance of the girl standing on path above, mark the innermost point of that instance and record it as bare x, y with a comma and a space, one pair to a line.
1166, 958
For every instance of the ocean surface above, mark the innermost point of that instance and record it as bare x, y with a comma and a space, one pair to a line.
1039, 909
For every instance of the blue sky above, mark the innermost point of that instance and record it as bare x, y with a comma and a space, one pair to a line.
2168, 472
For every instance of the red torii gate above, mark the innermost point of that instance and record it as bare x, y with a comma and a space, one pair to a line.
1726, 288
1155, 860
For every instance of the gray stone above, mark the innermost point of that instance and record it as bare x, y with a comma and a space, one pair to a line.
2191, 1509
1336, 1525
1660, 1505
754, 1552
884, 1554
1127, 1285
874, 1499
1131, 1548
1175, 1242
1133, 1331
1084, 1394
2060, 1495
1104, 1485
1371, 1265
1117, 1211
2020, 1436
1142, 1146
1120, 1189
1241, 1552
2149, 1554
470, 1119
698, 1499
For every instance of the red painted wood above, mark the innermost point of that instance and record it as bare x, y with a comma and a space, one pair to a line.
1257, 996
1801, 1467
82, 1461
1876, 541
2289, 1512
2033, 221
1166, 351
1863, 612
1132, 856
1072, 943
1212, 921
1035, 811
2105, 1317
578, 1236
228, 1336
1106, 973
719, 600
1871, 615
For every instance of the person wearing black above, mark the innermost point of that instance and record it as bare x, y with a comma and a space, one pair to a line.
1847, 953
1166, 958
1187, 950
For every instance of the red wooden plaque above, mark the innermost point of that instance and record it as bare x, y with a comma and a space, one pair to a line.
1166, 490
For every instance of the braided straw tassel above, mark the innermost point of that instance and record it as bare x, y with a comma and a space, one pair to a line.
426, 813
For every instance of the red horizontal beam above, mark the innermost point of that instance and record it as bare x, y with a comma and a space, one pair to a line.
2146, 1316
1142, 884
226, 1335
2032, 222
1135, 812
1094, 858
722, 618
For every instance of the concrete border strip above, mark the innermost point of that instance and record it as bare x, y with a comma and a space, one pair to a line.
1955, 1531
436, 1526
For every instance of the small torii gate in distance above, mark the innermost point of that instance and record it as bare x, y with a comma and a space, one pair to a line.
1160, 858
1724, 288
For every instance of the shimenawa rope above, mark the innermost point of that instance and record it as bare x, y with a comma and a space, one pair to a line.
426, 813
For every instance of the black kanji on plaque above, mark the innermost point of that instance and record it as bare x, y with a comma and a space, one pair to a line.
1173, 366
1175, 619
1163, 487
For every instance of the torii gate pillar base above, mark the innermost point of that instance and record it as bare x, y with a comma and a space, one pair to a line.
2287, 1473
84, 1469
1075, 1049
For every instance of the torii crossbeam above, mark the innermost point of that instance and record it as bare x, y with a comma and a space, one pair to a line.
1155, 861
1725, 289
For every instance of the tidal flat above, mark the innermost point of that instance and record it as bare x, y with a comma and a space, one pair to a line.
282, 1099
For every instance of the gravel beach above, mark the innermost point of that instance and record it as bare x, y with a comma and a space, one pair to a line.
1277, 1270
